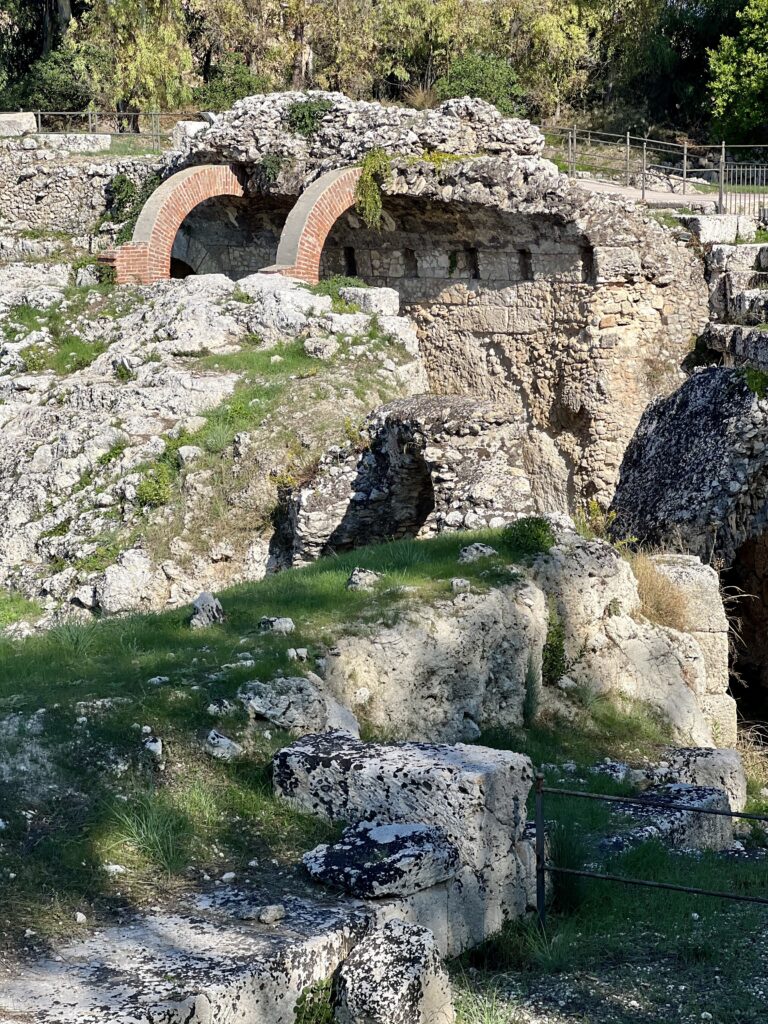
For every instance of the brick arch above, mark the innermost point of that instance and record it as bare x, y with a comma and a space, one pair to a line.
310, 221
147, 257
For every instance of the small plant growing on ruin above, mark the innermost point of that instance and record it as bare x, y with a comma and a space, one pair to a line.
661, 600
756, 381
530, 536
154, 489
304, 116
271, 166
375, 169
554, 664
314, 1005
129, 207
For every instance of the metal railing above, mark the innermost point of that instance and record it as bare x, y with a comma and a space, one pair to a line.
736, 177
543, 868
135, 130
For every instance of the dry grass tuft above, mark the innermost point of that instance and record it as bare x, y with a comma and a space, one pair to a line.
752, 744
420, 97
661, 600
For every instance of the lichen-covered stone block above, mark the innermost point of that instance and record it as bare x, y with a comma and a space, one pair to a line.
476, 795
394, 976
385, 860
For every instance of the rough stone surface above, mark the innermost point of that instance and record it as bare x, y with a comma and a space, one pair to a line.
694, 766
444, 670
205, 963
680, 828
696, 470
372, 860
298, 705
476, 795
394, 976
206, 611
433, 463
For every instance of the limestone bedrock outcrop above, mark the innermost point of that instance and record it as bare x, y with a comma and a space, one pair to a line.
696, 471
447, 669
78, 440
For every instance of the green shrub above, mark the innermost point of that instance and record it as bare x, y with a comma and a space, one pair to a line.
314, 1005
375, 168
756, 381
332, 286
304, 116
554, 664
486, 76
127, 202
530, 536
154, 489
51, 83
230, 80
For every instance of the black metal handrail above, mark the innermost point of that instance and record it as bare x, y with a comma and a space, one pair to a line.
543, 868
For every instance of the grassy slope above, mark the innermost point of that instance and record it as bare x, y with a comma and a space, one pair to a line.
111, 803
214, 817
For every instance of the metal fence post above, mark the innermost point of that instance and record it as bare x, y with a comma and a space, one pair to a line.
645, 161
39, 119
574, 151
541, 883
721, 199
685, 165
626, 161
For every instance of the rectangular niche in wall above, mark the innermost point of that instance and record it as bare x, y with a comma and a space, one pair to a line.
473, 263
525, 264
587, 254
410, 263
350, 262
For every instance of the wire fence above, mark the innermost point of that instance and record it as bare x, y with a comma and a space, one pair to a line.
735, 177
543, 868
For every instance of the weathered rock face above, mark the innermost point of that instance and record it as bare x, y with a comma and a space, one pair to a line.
394, 976
695, 472
259, 127
481, 807
77, 443
444, 670
448, 669
372, 860
432, 463
679, 826
474, 796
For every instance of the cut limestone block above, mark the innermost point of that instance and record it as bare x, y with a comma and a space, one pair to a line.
373, 860
394, 976
702, 766
476, 795
679, 828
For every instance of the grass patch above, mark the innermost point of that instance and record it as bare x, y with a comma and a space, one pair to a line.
15, 608
756, 380
332, 286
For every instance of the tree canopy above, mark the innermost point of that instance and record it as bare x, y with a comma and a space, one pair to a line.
688, 65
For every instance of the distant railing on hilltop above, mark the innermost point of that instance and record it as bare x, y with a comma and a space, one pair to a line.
736, 177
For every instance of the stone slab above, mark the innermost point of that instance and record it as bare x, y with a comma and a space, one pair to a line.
475, 794
208, 962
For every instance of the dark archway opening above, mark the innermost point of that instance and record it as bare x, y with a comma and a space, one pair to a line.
402, 497
745, 585
232, 236
180, 269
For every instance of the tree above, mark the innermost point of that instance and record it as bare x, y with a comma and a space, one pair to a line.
135, 53
739, 83
489, 77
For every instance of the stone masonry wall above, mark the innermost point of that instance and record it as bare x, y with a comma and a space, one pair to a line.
51, 191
